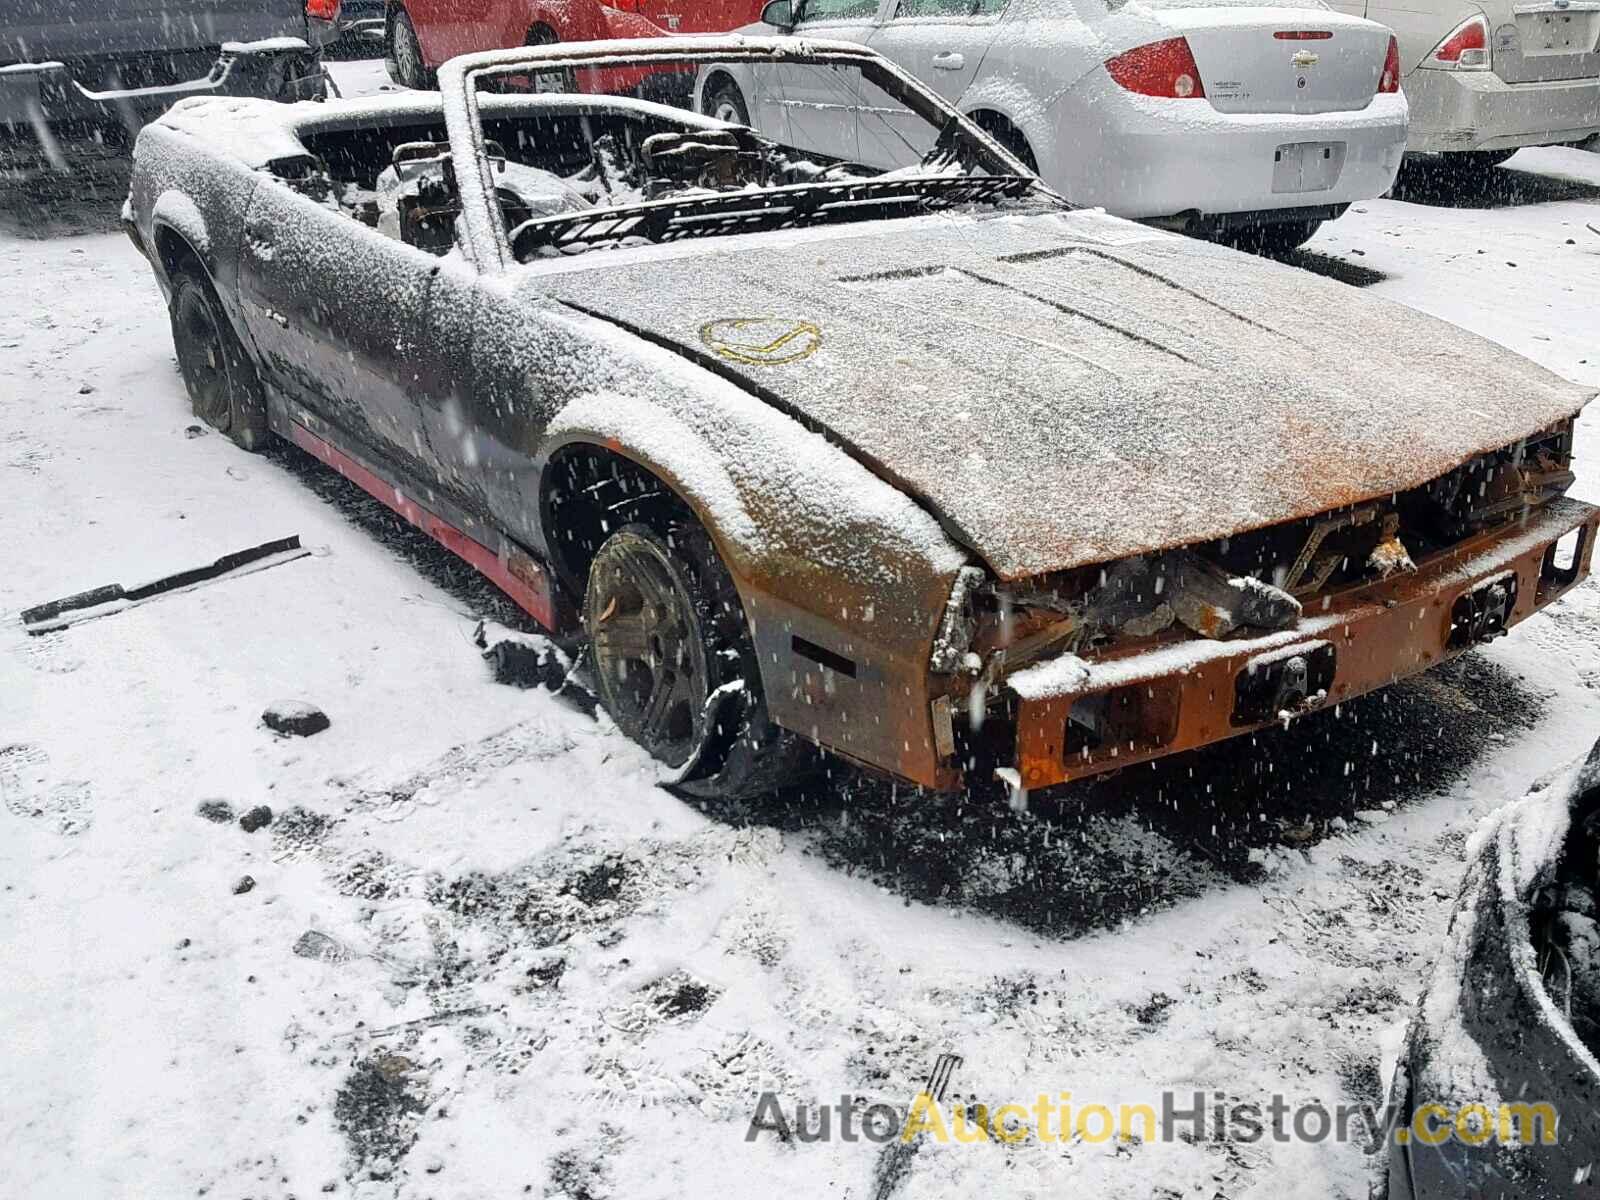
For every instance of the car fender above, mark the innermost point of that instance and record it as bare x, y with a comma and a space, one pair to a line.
824, 553
740, 73
791, 514
1039, 55
571, 20
180, 188
176, 211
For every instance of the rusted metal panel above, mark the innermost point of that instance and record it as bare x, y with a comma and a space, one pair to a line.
1380, 633
879, 716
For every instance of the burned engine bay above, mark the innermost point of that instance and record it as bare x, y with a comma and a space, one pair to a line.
1255, 582
593, 154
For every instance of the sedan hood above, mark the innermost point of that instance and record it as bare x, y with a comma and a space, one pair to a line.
1069, 388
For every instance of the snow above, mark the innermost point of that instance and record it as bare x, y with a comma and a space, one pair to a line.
274, 45
457, 839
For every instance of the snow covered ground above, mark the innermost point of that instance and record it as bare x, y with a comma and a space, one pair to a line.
483, 956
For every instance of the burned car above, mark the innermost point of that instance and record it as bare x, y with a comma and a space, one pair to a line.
920, 466
1497, 1086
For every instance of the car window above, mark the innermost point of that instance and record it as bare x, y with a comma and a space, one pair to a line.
949, 8
1164, 5
817, 11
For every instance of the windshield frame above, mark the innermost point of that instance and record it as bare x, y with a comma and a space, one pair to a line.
486, 239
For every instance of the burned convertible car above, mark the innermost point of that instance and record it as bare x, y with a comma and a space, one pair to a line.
1497, 1090
922, 467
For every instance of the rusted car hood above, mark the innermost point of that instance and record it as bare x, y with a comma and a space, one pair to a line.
1066, 389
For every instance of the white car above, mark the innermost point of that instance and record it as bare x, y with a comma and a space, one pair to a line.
1486, 77
1254, 124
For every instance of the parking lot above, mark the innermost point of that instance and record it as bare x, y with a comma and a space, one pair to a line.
482, 954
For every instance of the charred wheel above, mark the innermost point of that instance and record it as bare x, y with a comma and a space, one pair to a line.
224, 390
674, 665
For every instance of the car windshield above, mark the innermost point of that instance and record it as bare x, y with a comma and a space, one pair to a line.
1166, 5
602, 150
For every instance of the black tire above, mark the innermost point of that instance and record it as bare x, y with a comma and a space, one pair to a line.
1009, 136
667, 634
548, 81
402, 54
224, 390
723, 101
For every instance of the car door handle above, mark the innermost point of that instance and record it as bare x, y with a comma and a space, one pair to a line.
949, 60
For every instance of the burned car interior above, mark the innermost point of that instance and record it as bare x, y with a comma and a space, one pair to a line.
399, 176
576, 172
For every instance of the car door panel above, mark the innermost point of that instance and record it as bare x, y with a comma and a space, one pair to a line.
942, 43
339, 314
823, 102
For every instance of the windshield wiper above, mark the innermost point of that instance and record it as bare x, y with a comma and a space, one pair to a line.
762, 209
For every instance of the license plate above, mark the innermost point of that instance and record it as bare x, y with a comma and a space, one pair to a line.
1307, 166
1571, 30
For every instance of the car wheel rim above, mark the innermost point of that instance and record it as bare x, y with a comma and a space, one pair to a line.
202, 358
650, 660
724, 109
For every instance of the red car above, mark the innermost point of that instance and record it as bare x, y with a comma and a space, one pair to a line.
422, 34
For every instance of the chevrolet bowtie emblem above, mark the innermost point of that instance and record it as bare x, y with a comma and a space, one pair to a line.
1304, 58
761, 341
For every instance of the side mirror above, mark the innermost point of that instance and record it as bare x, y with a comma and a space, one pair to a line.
779, 13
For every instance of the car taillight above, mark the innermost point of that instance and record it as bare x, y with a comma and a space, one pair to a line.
1466, 49
323, 10
1389, 81
1303, 35
1160, 69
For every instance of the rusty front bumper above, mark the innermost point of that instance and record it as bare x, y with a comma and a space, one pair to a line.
1189, 693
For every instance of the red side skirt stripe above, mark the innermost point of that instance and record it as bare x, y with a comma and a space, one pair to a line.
529, 585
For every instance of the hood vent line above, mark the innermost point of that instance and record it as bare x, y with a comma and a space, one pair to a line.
1070, 311
1028, 256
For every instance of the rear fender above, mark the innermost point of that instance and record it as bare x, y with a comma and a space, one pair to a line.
180, 190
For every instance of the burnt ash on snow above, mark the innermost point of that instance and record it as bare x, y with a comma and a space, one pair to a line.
1091, 856
377, 1109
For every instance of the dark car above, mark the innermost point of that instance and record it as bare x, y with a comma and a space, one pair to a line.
921, 466
1497, 1090
93, 67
